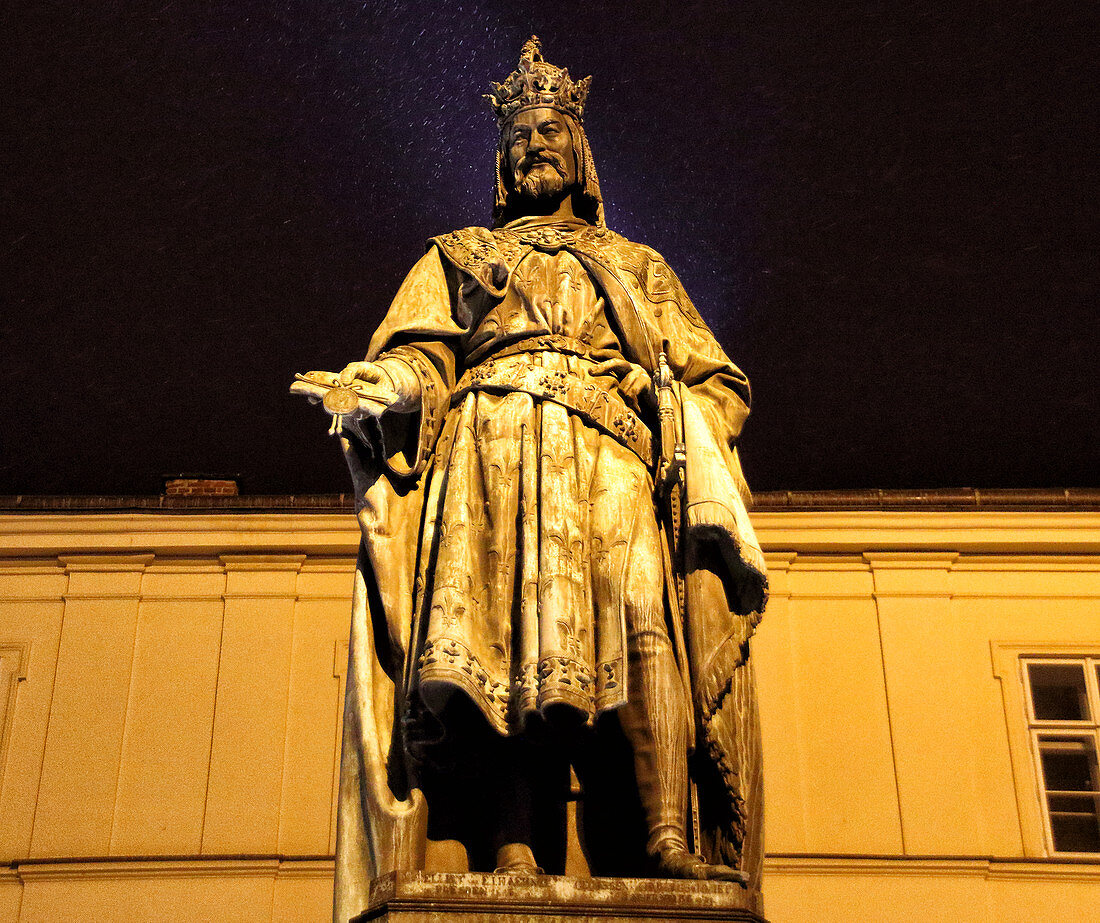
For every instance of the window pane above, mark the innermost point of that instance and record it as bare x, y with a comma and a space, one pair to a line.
1069, 764
1076, 829
1058, 691
1073, 804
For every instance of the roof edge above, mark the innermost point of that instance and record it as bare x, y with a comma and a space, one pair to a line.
941, 499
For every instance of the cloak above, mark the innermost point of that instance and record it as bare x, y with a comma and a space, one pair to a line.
382, 816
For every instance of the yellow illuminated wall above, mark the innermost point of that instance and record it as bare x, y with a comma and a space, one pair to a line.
170, 689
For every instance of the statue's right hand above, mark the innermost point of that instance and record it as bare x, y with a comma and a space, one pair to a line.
364, 371
313, 385
396, 387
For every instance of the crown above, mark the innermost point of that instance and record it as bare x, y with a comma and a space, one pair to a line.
536, 82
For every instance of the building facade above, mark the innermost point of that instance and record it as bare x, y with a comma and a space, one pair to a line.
171, 675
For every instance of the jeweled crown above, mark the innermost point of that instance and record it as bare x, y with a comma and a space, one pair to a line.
536, 82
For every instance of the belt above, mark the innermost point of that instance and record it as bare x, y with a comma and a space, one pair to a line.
602, 407
546, 342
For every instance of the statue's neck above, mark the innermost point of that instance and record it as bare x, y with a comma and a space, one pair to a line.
555, 208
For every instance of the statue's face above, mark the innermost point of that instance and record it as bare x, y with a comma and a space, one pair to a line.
540, 153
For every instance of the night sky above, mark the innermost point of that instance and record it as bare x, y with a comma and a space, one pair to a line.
886, 212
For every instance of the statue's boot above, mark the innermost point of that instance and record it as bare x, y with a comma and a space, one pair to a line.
516, 859
674, 861
656, 722
513, 798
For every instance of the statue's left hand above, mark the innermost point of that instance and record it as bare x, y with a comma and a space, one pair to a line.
634, 381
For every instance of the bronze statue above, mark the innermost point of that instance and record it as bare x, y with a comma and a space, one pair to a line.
557, 570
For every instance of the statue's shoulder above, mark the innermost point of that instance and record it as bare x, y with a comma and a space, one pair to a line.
639, 259
479, 253
622, 254
648, 276
465, 244
622, 246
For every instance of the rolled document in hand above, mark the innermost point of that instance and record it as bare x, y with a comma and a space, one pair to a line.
359, 398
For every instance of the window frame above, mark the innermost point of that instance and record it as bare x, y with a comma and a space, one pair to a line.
1086, 730
1010, 660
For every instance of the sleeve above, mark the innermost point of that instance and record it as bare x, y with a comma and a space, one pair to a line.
720, 390
715, 401
420, 335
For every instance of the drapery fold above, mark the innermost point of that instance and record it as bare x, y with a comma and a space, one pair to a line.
485, 493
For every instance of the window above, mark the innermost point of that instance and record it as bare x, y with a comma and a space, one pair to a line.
1063, 704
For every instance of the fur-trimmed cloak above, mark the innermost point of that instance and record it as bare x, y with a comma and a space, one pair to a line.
382, 816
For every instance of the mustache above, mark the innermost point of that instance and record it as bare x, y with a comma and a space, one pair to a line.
549, 157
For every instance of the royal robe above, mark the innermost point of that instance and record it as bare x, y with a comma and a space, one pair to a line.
499, 517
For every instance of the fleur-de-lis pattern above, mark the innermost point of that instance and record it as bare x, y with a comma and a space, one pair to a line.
526, 480
523, 583
534, 516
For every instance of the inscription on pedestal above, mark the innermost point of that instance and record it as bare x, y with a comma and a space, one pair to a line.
422, 897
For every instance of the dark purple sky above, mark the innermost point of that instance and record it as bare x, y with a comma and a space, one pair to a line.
886, 212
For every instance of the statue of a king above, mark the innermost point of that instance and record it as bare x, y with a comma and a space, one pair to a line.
558, 579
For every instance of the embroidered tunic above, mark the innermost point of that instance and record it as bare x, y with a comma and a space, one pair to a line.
533, 514
509, 526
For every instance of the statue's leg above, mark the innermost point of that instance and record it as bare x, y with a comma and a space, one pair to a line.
511, 798
655, 721
523, 804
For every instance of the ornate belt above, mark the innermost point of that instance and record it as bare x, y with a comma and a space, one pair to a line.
545, 342
602, 407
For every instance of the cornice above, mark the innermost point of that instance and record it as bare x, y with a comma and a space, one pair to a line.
129, 537
1085, 499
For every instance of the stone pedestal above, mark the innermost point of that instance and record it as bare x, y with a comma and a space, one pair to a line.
423, 897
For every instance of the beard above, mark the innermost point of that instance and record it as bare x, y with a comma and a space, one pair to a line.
537, 183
